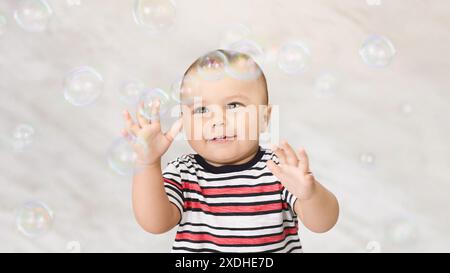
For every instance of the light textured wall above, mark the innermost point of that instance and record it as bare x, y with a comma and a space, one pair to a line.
405, 191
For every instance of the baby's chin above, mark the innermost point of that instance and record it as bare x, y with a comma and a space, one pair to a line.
226, 153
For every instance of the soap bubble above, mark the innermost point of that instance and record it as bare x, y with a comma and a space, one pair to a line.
33, 15
130, 91
148, 96
121, 157
3, 24
326, 85
82, 86
377, 51
293, 58
242, 67
234, 33
155, 15
74, 3
22, 137
34, 219
250, 48
211, 66
367, 159
182, 89
401, 231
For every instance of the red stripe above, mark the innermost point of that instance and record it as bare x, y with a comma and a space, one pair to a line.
235, 209
237, 241
232, 190
176, 184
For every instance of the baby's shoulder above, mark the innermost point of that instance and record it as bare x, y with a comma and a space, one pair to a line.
183, 161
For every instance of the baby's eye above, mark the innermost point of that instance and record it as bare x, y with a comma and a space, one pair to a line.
200, 110
234, 105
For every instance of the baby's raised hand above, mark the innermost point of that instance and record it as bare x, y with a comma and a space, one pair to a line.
148, 141
293, 171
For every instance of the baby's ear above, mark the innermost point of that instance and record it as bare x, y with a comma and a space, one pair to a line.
266, 113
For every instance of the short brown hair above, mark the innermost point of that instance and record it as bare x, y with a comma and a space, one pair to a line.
231, 56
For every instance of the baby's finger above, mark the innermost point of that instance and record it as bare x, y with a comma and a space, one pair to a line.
274, 168
141, 120
291, 157
304, 160
174, 130
155, 111
281, 155
128, 120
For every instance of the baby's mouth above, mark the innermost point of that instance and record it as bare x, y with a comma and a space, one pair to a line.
221, 139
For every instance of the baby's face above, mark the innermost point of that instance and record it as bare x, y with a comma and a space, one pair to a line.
222, 118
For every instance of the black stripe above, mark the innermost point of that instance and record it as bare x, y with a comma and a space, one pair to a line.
283, 247
238, 213
178, 201
292, 249
239, 245
230, 228
220, 251
233, 195
236, 203
175, 189
174, 174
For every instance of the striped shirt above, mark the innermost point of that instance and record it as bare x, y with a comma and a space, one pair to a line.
231, 208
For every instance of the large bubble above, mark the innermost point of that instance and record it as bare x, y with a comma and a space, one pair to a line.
130, 91
33, 15
156, 16
293, 58
377, 51
82, 86
34, 219
212, 65
121, 157
148, 96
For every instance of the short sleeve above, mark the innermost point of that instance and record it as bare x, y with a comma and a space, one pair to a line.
173, 185
286, 195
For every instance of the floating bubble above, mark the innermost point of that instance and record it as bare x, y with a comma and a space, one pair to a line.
242, 67
406, 109
22, 137
367, 159
34, 219
33, 15
156, 16
3, 24
401, 232
121, 157
293, 58
148, 96
326, 85
212, 65
82, 86
130, 91
377, 51
234, 33
74, 3
250, 48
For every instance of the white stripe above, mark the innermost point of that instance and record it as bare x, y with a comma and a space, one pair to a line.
238, 199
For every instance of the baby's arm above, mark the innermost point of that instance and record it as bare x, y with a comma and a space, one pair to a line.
320, 212
317, 208
152, 208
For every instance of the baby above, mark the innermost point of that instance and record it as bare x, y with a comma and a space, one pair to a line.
232, 195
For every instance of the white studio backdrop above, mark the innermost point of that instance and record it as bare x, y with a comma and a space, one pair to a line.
361, 84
